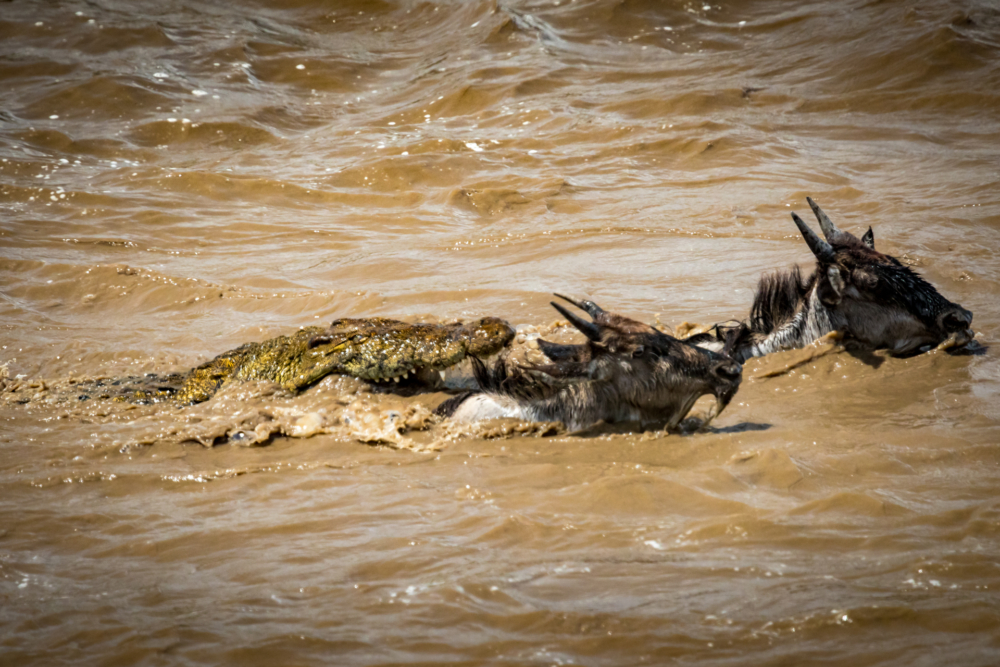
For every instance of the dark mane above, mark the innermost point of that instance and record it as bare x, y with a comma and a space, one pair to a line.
906, 288
778, 296
775, 302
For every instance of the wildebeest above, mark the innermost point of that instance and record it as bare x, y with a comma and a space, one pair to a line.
626, 371
868, 296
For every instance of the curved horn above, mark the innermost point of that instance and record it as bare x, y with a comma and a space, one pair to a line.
589, 307
588, 329
830, 230
819, 247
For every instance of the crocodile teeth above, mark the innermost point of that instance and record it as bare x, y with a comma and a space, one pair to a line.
441, 373
395, 379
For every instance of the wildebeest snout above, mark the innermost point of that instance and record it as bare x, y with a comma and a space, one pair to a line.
727, 374
955, 319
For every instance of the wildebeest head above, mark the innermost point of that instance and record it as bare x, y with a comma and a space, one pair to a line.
876, 300
626, 371
656, 373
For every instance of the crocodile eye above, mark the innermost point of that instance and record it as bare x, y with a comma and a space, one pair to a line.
638, 351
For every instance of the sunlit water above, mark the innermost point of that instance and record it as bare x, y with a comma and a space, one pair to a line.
180, 178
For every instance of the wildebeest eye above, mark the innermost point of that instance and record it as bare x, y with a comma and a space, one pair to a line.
864, 279
638, 351
957, 319
729, 370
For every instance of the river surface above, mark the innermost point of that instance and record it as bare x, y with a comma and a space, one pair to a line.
179, 178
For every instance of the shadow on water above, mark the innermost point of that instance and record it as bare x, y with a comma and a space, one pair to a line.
742, 427
689, 427
868, 356
973, 349
865, 355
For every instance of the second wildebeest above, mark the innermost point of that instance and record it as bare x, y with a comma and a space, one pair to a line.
627, 371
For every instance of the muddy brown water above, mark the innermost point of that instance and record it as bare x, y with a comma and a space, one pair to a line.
180, 178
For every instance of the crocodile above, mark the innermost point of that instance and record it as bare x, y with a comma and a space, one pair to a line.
377, 349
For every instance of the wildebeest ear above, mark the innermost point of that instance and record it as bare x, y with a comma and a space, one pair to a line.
869, 238
558, 352
831, 287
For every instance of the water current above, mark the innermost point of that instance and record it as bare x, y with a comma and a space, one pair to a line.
179, 178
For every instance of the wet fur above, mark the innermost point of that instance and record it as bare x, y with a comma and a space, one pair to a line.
627, 371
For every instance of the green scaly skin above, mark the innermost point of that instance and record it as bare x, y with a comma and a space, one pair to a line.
380, 349
375, 349
278, 360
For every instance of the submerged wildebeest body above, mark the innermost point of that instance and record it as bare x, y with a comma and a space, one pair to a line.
868, 296
626, 371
